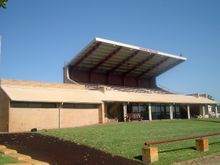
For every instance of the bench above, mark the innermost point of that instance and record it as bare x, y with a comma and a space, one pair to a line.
134, 116
150, 154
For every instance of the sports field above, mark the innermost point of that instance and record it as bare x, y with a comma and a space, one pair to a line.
127, 139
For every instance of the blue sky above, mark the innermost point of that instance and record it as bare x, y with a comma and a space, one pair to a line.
38, 37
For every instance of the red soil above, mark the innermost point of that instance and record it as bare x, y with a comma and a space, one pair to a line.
58, 152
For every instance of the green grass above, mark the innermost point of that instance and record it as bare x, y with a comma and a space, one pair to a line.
127, 139
5, 159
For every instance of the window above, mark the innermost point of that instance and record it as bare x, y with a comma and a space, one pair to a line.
16, 104
135, 108
79, 106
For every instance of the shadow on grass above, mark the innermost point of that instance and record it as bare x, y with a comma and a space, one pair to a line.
207, 120
214, 143
139, 157
177, 149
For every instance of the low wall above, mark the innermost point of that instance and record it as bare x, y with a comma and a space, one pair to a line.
78, 117
25, 119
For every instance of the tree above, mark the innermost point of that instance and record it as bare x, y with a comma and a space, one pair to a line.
3, 3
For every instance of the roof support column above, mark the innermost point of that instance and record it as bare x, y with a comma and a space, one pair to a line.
188, 111
203, 111
125, 107
102, 113
59, 121
149, 112
60, 106
171, 112
216, 111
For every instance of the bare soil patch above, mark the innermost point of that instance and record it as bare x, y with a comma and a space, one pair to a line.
59, 152
213, 159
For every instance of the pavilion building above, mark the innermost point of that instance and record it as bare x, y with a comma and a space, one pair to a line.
106, 82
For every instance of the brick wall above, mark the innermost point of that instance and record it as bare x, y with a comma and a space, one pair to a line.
4, 106
79, 117
24, 119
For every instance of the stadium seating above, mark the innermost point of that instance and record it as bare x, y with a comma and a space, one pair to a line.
127, 89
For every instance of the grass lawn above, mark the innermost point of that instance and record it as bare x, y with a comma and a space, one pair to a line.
5, 159
127, 139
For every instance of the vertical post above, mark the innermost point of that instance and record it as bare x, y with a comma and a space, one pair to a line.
125, 106
216, 111
149, 112
188, 111
203, 111
59, 114
102, 113
150, 154
202, 145
59, 118
171, 112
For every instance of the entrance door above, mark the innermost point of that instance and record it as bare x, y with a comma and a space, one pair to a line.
115, 112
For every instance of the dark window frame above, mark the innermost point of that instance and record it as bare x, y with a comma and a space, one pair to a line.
22, 104
79, 106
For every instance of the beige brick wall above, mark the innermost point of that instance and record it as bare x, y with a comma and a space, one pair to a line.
24, 119
79, 117
4, 106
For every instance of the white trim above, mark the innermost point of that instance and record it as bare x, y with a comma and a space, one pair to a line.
68, 75
139, 48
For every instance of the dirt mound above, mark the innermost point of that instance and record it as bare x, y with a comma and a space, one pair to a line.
58, 152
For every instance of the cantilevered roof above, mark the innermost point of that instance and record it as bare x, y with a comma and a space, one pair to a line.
109, 57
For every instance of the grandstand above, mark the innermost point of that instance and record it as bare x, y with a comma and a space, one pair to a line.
107, 81
120, 67
113, 63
